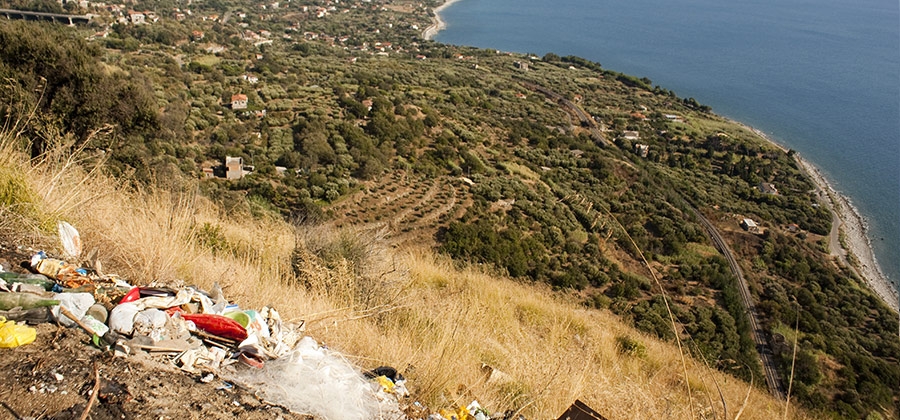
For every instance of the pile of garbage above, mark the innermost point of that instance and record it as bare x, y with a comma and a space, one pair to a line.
199, 331
203, 333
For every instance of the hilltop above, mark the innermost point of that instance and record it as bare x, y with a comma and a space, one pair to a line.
576, 182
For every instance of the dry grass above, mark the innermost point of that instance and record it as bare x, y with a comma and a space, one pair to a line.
458, 334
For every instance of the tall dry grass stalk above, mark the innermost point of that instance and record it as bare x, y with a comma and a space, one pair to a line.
457, 334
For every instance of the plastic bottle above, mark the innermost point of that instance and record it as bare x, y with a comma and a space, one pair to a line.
24, 300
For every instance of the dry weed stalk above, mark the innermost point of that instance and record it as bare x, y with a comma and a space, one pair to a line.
787, 401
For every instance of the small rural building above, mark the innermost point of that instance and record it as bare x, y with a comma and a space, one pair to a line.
642, 149
137, 18
673, 118
234, 167
631, 135
521, 65
214, 49
239, 101
767, 188
750, 226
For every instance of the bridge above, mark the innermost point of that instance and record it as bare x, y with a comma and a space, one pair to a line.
50, 17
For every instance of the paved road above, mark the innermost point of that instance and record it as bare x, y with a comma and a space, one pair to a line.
766, 356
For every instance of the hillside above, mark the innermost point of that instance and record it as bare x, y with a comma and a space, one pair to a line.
553, 171
379, 306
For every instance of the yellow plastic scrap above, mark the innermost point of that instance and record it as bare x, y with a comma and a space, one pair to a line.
461, 413
14, 335
386, 384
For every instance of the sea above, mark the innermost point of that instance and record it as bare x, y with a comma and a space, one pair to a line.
821, 77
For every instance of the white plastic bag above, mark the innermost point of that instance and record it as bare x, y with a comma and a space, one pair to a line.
76, 303
71, 240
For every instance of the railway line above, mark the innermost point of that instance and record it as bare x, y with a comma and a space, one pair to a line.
766, 356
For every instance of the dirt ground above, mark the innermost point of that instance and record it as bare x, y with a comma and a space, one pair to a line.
54, 378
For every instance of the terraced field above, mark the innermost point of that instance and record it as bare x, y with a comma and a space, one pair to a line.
409, 207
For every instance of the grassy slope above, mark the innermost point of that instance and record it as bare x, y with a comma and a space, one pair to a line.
568, 209
406, 308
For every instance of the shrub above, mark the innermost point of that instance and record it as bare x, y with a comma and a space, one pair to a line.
631, 347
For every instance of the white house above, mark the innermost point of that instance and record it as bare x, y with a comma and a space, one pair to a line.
239, 101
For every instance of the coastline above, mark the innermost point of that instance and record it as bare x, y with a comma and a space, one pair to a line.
437, 24
849, 241
855, 248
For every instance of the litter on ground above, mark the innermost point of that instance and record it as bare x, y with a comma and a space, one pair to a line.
204, 334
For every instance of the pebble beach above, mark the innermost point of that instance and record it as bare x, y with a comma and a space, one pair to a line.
854, 248
855, 240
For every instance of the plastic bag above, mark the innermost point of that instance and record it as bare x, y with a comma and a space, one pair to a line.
13, 335
71, 240
76, 303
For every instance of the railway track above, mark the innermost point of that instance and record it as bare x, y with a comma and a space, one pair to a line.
766, 356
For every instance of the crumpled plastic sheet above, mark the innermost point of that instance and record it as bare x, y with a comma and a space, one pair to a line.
314, 380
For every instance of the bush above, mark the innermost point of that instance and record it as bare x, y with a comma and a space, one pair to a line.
631, 347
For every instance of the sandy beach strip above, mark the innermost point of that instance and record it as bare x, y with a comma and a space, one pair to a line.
852, 227
437, 24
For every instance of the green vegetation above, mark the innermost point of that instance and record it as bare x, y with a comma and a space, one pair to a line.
630, 346
340, 103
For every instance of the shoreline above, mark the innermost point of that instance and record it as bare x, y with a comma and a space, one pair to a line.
852, 227
854, 248
437, 24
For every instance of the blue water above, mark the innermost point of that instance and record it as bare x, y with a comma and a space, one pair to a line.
819, 76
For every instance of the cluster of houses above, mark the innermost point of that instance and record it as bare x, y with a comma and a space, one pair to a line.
751, 226
257, 39
139, 18
380, 48
121, 15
